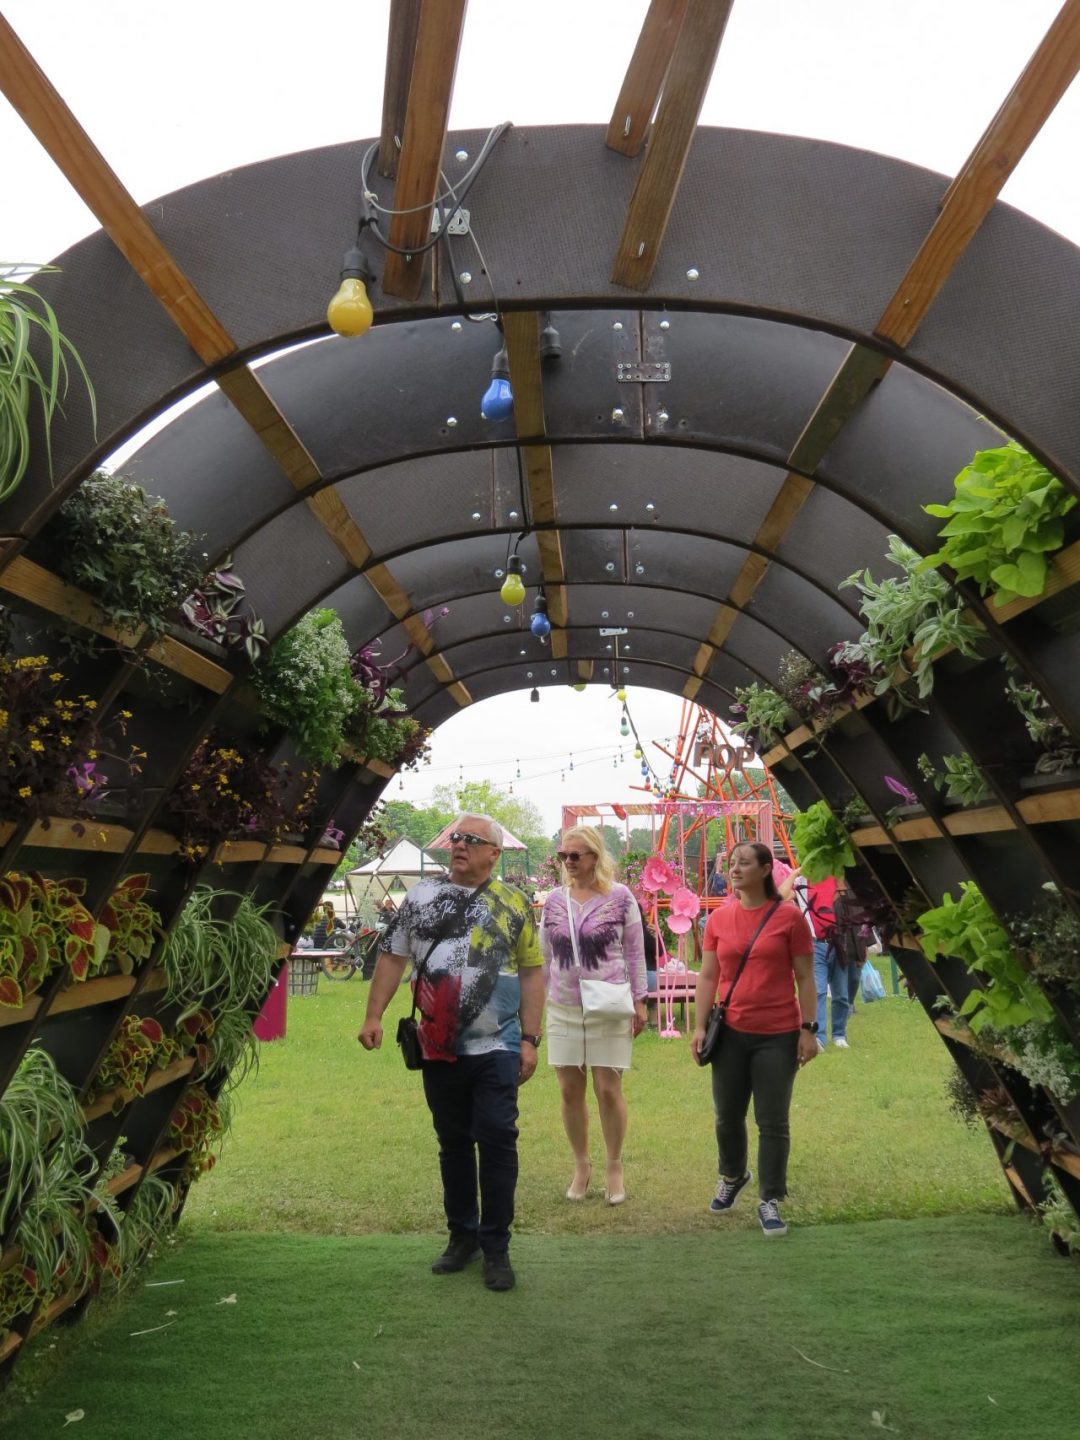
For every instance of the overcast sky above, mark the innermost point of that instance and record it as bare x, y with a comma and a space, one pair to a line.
172, 94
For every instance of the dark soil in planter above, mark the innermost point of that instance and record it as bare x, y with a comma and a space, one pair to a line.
1069, 780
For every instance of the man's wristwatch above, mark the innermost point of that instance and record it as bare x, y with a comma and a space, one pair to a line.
533, 1040
810, 1025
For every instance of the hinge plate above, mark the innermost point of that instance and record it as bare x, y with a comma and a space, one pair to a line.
643, 372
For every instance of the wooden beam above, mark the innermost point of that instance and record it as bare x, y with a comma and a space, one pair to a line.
654, 194
971, 196
44, 111
859, 372
645, 76
400, 48
438, 39
246, 392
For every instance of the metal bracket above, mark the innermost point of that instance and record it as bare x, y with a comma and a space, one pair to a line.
614, 630
644, 371
458, 224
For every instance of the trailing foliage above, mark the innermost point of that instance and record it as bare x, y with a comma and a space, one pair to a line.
24, 313
821, 843
1059, 1217
212, 610
198, 1125
963, 1101
812, 695
962, 779
762, 715
1042, 1053
918, 612
306, 686
219, 964
378, 730
145, 1220
1004, 521
120, 545
966, 929
139, 1047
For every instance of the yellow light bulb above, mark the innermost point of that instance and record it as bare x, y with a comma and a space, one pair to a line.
350, 312
621, 695
513, 590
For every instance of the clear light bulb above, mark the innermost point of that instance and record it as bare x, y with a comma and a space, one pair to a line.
349, 312
624, 726
513, 587
498, 401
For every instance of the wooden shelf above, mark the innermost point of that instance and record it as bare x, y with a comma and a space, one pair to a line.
127, 1178
9, 1344
156, 1080
1042, 809
95, 835
48, 592
1061, 1159
323, 855
79, 995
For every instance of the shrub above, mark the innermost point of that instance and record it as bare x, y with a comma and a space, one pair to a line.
306, 686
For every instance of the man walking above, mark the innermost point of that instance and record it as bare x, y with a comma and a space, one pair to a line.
480, 994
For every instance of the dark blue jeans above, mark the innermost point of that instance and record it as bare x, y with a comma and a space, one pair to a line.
473, 1104
762, 1067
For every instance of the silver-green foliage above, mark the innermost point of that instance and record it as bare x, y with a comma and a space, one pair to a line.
219, 965
24, 313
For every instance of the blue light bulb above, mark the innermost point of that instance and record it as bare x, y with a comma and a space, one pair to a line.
498, 401
540, 625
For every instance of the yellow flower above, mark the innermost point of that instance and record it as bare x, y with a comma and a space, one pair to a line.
91, 704
65, 739
24, 791
93, 754
36, 745
196, 787
126, 714
56, 676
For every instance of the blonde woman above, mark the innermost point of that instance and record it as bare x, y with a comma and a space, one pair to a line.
591, 929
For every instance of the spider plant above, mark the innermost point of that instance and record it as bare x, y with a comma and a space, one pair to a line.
147, 1217
219, 964
24, 313
233, 1047
52, 1229
41, 1132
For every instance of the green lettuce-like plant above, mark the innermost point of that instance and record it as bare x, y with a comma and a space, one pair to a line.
306, 686
821, 843
1004, 521
23, 312
968, 930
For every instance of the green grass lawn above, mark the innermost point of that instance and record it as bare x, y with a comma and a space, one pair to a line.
331, 1140
958, 1327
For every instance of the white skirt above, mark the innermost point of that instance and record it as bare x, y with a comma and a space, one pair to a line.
575, 1039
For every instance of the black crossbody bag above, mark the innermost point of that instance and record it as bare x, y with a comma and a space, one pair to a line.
408, 1032
714, 1026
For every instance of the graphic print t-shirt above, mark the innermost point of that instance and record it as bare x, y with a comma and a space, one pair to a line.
469, 995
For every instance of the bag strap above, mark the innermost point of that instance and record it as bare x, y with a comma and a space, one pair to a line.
574, 939
440, 936
746, 953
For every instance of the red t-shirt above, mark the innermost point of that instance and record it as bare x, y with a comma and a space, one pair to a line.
764, 1002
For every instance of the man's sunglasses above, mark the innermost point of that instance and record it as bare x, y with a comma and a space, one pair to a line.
564, 855
459, 837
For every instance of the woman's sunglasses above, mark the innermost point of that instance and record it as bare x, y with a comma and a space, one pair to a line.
564, 855
458, 837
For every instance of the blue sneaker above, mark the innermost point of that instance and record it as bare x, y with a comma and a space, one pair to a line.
769, 1216
727, 1192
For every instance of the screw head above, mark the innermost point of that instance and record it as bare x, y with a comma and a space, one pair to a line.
451, 420
499, 574
603, 614
629, 614
665, 324
613, 507
639, 569
663, 417
476, 514
617, 325
693, 273
465, 277
610, 566
617, 413
455, 325
506, 619
650, 507
513, 515
461, 156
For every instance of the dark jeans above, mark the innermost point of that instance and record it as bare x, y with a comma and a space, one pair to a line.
763, 1066
473, 1104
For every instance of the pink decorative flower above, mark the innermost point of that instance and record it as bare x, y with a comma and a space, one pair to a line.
658, 874
684, 909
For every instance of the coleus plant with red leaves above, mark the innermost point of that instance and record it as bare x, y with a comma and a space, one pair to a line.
197, 1126
140, 1046
43, 925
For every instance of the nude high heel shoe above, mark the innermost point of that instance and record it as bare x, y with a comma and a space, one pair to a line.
574, 1194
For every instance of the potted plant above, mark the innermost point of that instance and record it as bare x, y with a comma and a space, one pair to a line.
23, 313
1048, 936
216, 964
197, 1126
962, 781
967, 930
1058, 762
821, 843
1002, 524
305, 685
132, 923
120, 546
918, 613
762, 715
44, 925
212, 612
139, 1047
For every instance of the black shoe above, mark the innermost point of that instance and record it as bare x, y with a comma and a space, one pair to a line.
456, 1255
498, 1274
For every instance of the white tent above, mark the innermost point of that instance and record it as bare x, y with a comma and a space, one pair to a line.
393, 874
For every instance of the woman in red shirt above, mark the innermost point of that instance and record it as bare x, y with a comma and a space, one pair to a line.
768, 1032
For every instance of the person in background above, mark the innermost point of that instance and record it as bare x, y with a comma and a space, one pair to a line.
481, 999
768, 1032
324, 924
831, 970
718, 885
610, 943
